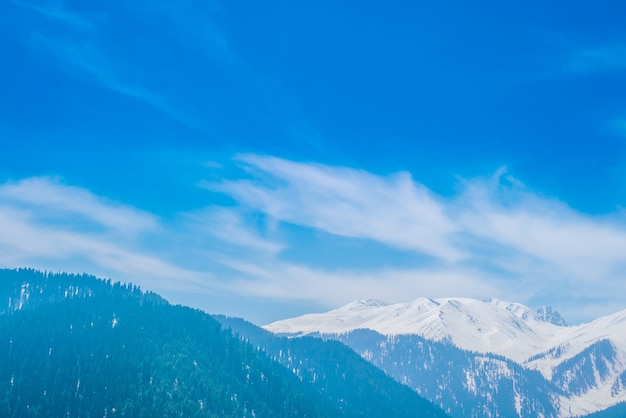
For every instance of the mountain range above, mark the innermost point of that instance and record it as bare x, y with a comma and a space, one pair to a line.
77, 346
503, 359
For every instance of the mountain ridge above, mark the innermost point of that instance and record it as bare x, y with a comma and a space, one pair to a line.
490, 326
74, 345
584, 364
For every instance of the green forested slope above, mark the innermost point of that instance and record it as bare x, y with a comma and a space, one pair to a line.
75, 346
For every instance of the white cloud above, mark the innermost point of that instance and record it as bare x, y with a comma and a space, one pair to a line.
53, 198
229, 226
494, 238
393, 210
87, 60
46, 223
576, 245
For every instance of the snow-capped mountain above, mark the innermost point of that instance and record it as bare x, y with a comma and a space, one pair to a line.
585, 365
510, 329
547, 314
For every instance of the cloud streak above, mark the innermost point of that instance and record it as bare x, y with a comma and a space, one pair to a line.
495, 233
393, 210
55, 12
577, 245
87, 60
55, 199
80, 44
600, 58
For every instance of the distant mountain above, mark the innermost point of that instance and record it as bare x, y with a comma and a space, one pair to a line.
463, 383
581, 368
510, 329
547, 314
78, 346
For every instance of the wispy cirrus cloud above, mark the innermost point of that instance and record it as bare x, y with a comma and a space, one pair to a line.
578, 245
230, 227
54, 11
343, 201
81, 43
570, 56
595, 59
579, 61
87, 60
130, 48
618, 126
49, 197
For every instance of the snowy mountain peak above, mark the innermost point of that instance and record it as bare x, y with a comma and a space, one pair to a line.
362, 304
585, 364
506, 328
521, 311
547, 314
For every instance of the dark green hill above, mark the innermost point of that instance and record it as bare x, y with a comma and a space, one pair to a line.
77, 346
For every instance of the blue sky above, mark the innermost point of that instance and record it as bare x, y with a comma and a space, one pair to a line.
268, 160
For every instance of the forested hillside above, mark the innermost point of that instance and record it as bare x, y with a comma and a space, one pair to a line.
337, 370
81, 347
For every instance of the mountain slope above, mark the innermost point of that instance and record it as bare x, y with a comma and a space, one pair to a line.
78, 346
463, 383
335, 369
81, 347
